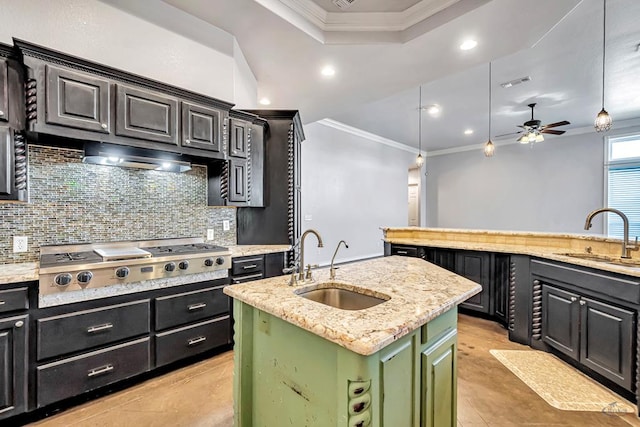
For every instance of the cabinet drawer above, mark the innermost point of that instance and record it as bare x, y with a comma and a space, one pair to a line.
190, 307
76, 375
247, 278
191, 340
404, 250
91, 328
251, 265
14, 299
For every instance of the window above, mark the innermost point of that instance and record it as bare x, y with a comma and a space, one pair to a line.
623, 184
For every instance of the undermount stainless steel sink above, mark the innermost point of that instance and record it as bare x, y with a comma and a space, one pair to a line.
626, 262
344, 299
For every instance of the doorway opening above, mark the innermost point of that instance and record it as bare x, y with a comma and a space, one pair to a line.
414, 197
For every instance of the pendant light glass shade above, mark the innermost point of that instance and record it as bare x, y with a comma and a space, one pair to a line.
419, 160
489, 148
603, 120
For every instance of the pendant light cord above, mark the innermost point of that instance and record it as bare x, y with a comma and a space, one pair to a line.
420, 122
604, 44
489, 101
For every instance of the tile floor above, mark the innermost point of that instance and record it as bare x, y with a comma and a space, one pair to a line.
201, 394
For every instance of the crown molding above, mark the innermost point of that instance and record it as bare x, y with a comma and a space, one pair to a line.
367, 135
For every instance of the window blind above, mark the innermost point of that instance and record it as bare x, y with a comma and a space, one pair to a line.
624, 195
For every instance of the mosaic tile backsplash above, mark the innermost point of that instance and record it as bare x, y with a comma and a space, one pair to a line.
73, 202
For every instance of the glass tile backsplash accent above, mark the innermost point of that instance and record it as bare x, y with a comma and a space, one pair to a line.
73, 202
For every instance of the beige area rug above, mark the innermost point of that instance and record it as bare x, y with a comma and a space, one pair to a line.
559, 384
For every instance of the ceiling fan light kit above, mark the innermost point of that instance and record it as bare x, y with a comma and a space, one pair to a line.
603, 119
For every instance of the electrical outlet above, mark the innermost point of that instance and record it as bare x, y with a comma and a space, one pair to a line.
226, 225
20, 244
209, 233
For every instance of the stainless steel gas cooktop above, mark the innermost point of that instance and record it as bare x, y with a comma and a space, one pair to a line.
75, 267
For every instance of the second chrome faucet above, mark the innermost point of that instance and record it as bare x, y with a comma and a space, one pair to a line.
332, 270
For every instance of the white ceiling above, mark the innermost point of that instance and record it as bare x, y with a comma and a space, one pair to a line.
368, 5
376, 85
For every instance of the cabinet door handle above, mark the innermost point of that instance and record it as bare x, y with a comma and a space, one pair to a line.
186, 141
402, 252
246, 267
100, 371
19, 324
574, 299
582, 302
197, 306
98, 328
194, 341
104, 126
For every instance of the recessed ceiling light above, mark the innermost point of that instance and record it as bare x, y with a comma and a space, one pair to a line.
265, 101
328, 71
468, 44
468, 131
434, 109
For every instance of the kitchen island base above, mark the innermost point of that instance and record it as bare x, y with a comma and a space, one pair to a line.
286, 375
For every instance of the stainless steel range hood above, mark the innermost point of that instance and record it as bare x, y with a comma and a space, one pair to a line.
110, 155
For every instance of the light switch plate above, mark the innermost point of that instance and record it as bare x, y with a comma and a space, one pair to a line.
308, 217
210, 234
226, 225
20, 244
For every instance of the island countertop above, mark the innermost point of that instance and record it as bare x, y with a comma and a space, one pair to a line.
418, 291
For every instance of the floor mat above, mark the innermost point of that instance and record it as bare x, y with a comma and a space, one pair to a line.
559, 384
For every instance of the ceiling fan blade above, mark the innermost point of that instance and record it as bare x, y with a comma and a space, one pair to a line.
553, 125
553, 132
507, 134
522, 126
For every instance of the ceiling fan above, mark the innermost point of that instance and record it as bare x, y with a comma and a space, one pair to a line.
532, 130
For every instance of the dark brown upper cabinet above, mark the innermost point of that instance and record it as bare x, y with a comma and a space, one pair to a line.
146, 115
239, 138
202, 127
4, 90
78, 100
238, 181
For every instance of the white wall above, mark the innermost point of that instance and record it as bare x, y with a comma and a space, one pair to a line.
107, 34
550, 186
351, 186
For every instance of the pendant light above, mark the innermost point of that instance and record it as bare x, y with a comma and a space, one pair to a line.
489, 147
603, 120
420, 159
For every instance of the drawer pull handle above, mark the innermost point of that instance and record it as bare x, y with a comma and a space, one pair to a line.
94, 329
196, 306
2, 303
247, 267
100, 371
402, 252
194, 341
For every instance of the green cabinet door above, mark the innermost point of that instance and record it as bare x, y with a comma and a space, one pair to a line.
438, 393
397, 372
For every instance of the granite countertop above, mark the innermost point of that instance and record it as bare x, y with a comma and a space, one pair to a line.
15, 273
248, 250
552, 246
418, 291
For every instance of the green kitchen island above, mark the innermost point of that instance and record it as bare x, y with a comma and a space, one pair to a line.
299, 362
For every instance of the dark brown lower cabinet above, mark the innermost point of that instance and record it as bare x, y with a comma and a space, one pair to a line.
13, 365
476, 266
596, 334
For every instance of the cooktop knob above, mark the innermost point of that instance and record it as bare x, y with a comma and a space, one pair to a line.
170, 266
63, 279
122, 272
208, 262
183, 265
219, 260
84, 277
